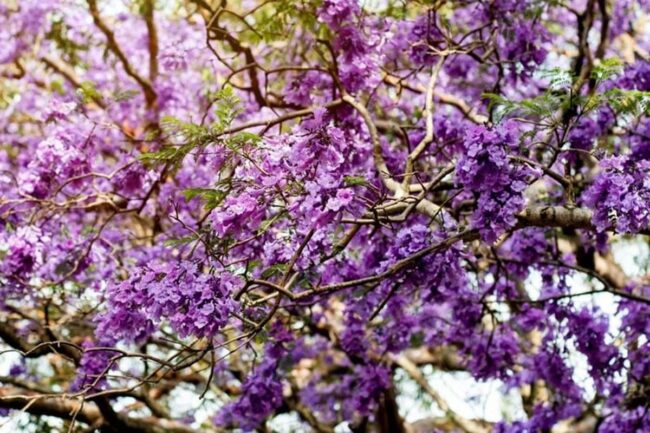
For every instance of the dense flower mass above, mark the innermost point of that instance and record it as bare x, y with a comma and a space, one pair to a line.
262, 394
619, 195
485, 169
325, 215
193, 303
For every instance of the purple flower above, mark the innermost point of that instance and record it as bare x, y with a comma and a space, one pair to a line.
23, 251
334, 12
261, 394
485, 169
93, 368
372, 381
236, 212
194, 303
619, 194
343, 197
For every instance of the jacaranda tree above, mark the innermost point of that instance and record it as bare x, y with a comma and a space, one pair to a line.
271, 215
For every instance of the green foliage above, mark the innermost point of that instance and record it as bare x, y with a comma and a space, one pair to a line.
239, 140
171, 154
124, 95
628, 102
558, 78
606, 69
267, 223
180, 241
396, 10
212, 197
186, 131
355, 180
274, 270
541, 107
88, 92
560, 97
184, 137
57, 86
58, 33
281, 17
226, 108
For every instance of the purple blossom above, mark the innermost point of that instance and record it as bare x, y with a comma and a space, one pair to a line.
93, 368
23, 251
294, 252
334, 12
619, 194
236, 212
193, 302
261, 395
486, 169
343, 197
372, 381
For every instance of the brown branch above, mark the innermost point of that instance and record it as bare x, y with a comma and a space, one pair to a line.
412, 370
35, 404
11, 337
380, 162
428, 115
556, 216
98, 413
443, 97
153, 39
147, 88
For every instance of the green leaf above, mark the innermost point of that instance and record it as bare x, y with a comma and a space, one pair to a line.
124, 95
266, 224
355, 180
226, 109
89, 93
239, 140
607, 69
192, 193
180, 241
541, 107
631, 102
559, 78
167, 153
212, 197
274, 270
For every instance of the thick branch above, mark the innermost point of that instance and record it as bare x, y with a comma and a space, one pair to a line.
13, 398
149, 93
153, 39
556, 216
86, 412
464, 424
380, 162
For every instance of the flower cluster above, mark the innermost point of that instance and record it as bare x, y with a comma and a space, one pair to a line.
486, 169
371, 381
170, 192
619, 195
640, 140
261, 395
23, 251
590, 330
493, 355
57, 158
93, 366
523, 44
193, 302
262, 391
237, 212
357, 58
19, 26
